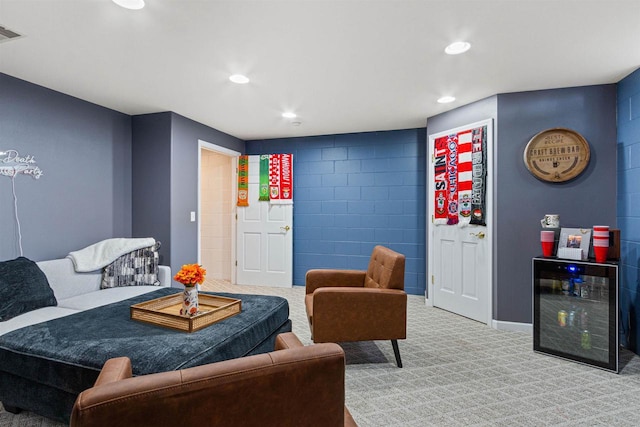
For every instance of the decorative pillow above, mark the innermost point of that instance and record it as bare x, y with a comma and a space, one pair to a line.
23, 287
137, 268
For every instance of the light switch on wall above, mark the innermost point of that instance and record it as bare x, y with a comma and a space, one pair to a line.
193, 216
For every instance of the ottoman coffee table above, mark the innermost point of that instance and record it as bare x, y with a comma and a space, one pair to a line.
44, 367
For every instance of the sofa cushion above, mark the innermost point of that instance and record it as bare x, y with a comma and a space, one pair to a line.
23, 288
137, 268
64, 280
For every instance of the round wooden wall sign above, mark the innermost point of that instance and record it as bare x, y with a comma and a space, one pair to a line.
557, 155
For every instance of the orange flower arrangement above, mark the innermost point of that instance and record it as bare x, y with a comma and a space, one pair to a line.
190, 275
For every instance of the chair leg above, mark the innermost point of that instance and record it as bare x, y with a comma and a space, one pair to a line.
396, 352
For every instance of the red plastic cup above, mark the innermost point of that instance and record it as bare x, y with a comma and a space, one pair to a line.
601, 253
547, 235
601, 241
547, 239
547, 249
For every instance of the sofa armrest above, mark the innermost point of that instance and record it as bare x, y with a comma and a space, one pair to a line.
115, 369
330, 278
287, 340
164, 275
359, 314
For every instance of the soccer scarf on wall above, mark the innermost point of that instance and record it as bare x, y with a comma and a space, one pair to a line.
281, 179
243, 181
464, 177
440, 172
452, 179
479, 159
264, 178
460, 171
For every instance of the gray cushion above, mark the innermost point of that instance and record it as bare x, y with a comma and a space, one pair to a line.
137, 268
23, 288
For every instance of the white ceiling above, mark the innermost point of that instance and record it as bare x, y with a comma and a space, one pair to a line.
343, 66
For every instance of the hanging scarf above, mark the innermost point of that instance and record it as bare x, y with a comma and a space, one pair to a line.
264, 178
452, 179
281, 179
479, 160
243, 181
464, 177
440, 152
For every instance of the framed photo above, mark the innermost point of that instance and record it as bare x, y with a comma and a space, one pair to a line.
575, 238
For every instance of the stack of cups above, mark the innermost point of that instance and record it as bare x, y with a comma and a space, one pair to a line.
547, 239
600, 242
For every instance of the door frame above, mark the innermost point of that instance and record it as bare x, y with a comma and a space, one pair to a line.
489, 203
231, 154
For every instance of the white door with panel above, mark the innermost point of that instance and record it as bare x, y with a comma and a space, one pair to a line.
459, 257
264, 238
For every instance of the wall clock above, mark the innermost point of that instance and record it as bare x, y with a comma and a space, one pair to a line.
557, 155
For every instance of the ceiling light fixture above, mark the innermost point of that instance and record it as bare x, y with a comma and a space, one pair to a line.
239, 79
457, 48
130, 4
289, 115
446, 99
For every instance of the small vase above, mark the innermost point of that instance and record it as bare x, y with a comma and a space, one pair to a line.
189, 301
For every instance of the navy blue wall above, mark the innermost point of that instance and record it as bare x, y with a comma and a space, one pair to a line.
151, 177
84, 151
629, 205
165, 165
522, 200
354, 191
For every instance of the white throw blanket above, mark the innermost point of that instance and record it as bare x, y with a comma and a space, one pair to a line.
103, 253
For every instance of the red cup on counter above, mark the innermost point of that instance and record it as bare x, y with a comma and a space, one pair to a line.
547, 238
601, 242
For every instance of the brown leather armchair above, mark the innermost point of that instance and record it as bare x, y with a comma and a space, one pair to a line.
291, 386
355, 305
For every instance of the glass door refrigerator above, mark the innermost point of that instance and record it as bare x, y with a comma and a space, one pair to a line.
575, 311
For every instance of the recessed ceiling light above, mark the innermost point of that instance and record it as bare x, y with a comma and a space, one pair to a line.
289, 115
457, 48
239, 78
446, 99
130, 4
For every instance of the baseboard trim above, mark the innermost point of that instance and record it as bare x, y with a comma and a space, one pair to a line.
512, 326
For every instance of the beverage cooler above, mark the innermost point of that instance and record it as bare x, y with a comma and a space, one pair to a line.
575, 311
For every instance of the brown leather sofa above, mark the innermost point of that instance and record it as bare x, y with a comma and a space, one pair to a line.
294, 385
358, 305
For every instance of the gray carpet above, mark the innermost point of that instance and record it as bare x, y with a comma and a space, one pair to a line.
458, 372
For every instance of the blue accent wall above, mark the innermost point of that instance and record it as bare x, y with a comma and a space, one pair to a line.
522, 200
629, 206
352, 192
519, 199
165, 181
84, 151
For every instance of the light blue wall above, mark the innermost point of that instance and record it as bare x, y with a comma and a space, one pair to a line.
629, 205
354, 191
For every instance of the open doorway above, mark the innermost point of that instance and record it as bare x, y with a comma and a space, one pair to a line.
216, 225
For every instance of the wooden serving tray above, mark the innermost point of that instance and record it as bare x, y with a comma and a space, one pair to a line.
165, 311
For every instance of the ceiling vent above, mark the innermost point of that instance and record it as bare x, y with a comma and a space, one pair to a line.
7, 35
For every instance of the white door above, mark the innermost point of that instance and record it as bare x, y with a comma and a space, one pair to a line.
264, 238
459, 257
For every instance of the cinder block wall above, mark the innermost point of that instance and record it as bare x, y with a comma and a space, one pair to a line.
352, 192
629, 206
